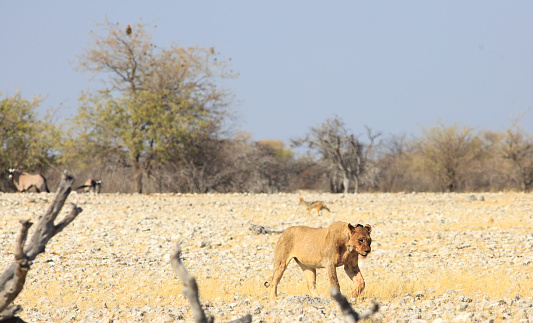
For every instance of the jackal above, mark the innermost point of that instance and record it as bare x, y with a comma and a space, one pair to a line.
317, 205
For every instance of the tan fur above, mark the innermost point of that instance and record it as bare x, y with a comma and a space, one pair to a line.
331, 247
24, 181
317, 205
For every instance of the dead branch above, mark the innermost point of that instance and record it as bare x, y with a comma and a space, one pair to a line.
14, 285
351, 316
13, 278
190, 289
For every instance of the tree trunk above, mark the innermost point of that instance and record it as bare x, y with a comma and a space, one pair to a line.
346, 183
138, 173
356, 183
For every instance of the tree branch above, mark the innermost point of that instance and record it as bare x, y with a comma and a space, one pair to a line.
46, 229
351, 316
10, 312
13, 278
16, 283
190, 289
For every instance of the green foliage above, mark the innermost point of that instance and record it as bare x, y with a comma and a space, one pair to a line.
26, 142
278, 147
156, 104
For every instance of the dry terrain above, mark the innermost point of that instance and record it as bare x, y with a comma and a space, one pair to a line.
435, 258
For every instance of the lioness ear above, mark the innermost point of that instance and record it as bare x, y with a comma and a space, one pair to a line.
368, 227
351, 227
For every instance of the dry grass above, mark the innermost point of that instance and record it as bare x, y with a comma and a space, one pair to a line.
474, 283
129, 290
384, 288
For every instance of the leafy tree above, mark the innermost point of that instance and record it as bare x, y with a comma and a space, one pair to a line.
155, 102
490, 172
447, 149
517, 147
277, 148
342, 152
26, 142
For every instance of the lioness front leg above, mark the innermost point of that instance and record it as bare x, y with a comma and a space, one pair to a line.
357, 278
332, 275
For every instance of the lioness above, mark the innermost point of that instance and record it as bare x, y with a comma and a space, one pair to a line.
339, 244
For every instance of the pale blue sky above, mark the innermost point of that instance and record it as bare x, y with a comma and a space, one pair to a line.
395, 66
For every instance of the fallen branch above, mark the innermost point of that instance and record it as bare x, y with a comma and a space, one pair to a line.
261, 229
351, 316
13, 278
190, 289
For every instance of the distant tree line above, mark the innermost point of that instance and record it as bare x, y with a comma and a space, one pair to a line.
161, 122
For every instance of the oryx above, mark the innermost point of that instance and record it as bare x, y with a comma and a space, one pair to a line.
24, 181
91, 185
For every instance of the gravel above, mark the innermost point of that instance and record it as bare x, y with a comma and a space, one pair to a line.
112, 263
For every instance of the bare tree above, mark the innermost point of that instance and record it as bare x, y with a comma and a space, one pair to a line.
393, 163
342, 152
13, 278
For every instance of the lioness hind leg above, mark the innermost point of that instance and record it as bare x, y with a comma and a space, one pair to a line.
357, 278
310, 277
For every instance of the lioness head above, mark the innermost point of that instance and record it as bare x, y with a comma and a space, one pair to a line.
360, 239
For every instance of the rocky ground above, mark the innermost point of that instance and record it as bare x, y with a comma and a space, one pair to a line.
435, 258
